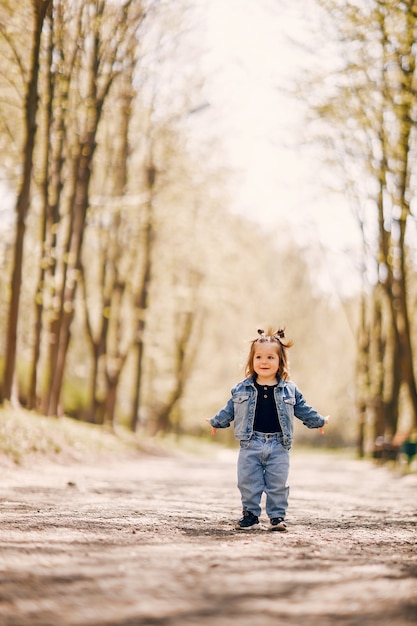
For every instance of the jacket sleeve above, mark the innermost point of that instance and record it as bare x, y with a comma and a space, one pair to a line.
309, 416
224, 417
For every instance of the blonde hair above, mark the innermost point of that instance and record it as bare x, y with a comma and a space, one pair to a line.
275, 337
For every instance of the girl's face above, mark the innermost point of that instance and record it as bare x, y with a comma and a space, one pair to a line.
266, 362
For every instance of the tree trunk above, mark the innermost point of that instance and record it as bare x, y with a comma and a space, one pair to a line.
362, 376
74, 268
142, 300
22, 204
32, 400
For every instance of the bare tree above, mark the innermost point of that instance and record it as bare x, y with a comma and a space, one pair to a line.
372, 108
188, 321
40, 8
113, 231
107, 32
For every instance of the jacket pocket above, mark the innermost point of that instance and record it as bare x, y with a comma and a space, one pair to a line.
240, 404
240, 398
289, 401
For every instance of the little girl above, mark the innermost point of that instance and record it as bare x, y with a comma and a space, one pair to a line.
263, 407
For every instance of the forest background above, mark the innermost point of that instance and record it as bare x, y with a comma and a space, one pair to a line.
130, 289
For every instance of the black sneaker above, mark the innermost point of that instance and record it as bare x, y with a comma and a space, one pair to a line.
249, 521
277, 523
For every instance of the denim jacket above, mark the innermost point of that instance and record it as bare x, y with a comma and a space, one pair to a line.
242, 404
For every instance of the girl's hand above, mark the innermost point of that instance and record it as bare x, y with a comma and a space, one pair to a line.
213, 430
321, 430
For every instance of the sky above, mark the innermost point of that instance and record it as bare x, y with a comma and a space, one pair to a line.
251, 63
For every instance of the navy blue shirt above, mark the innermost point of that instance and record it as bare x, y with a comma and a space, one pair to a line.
266, 415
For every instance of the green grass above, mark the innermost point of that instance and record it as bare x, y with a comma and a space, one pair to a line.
25, 433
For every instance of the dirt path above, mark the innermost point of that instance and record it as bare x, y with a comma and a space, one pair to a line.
151, 542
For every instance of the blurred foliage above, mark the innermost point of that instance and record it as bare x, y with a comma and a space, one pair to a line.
138, 284
363, 109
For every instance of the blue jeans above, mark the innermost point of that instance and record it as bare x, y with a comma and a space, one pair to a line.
263, 466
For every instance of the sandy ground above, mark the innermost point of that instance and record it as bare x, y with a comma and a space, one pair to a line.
151, 541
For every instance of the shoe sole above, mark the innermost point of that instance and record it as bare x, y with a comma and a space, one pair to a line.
280, 529
253, 527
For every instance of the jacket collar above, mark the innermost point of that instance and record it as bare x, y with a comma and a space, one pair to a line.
251, 382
